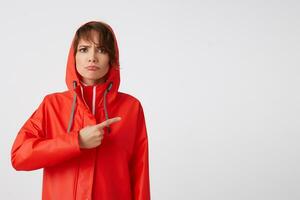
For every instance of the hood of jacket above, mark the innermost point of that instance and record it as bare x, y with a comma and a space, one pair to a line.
113, 73
108, 89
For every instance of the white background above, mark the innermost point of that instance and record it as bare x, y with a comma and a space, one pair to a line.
218, 80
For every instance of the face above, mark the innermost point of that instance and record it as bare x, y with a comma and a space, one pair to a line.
92, 61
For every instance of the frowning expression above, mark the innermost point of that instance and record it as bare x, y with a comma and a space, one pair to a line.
92, 60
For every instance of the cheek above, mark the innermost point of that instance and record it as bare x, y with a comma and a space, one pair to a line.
78, 58
79, 61
105, 60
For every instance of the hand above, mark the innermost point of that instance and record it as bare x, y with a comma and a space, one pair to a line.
91, 136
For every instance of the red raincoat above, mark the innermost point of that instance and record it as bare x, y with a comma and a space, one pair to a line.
116, 170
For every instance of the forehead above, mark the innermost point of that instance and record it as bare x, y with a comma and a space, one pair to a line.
90, 37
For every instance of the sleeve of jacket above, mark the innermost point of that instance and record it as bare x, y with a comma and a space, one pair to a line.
139, 166
33, 150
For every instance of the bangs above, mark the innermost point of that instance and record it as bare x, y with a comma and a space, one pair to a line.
87, 36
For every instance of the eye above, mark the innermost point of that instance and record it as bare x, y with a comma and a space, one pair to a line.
102, 49
83, 50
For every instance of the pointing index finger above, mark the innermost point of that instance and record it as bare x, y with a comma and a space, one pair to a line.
108, 122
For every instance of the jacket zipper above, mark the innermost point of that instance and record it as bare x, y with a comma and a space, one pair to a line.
76, 181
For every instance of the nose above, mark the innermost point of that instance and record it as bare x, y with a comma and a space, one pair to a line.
92, 60
93, 57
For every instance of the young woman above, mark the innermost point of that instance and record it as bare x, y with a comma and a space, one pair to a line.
91, 140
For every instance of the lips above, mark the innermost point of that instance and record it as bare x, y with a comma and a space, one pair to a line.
92, 68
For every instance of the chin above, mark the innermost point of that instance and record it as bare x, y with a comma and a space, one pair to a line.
96, 79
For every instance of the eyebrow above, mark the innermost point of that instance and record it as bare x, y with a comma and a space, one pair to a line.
84, 45
87, 46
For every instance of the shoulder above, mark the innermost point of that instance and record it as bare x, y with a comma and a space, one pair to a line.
57, 97
124, 97
131, 105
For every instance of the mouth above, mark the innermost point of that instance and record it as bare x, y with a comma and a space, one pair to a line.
92, 68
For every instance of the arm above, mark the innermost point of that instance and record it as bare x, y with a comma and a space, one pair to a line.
139, 166
32, 150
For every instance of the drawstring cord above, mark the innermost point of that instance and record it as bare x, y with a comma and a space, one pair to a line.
104, 104
73, 107
74, 104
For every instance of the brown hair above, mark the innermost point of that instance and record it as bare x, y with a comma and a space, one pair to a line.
106, 38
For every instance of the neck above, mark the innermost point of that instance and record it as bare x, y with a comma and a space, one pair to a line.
88, 82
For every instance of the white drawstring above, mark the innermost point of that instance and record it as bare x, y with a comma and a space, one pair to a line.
94, 99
